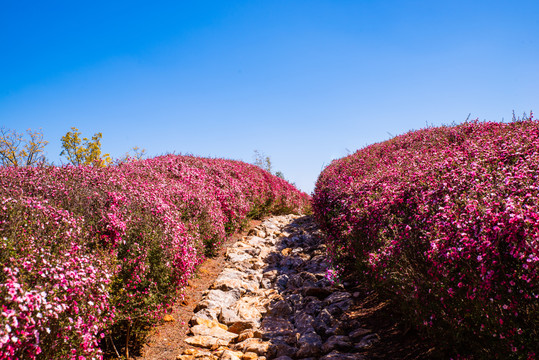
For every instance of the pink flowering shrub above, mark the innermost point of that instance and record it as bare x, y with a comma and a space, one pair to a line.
446, 221
92, 252
53, 291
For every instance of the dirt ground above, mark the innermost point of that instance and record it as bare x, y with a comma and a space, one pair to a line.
166, 340
396, 340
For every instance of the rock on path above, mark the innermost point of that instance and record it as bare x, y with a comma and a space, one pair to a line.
272, 301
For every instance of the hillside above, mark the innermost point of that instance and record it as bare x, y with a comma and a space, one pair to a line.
89, 252
445, 222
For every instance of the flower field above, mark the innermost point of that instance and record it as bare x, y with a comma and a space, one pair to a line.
445, 221
95, 254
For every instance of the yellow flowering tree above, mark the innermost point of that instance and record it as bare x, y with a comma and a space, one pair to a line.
83, 151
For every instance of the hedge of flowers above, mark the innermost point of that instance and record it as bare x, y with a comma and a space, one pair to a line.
445, 221
91, 254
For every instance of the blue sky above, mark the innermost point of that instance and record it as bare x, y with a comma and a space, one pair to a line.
304, 82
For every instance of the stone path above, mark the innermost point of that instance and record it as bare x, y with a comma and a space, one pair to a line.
272, 301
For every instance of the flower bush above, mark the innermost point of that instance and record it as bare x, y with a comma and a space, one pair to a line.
446, 221
91, 252
54, 294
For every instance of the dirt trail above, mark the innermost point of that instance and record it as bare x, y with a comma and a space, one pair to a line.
266, 295
166, 340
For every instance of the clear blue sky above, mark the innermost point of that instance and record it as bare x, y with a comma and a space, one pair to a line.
304, 82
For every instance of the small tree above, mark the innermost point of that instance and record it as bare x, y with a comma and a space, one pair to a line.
138, 154
83, 151
16, 150
262, 161
280, 175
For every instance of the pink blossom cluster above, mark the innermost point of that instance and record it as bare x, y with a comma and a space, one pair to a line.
91, 252
446, 221
52, 292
